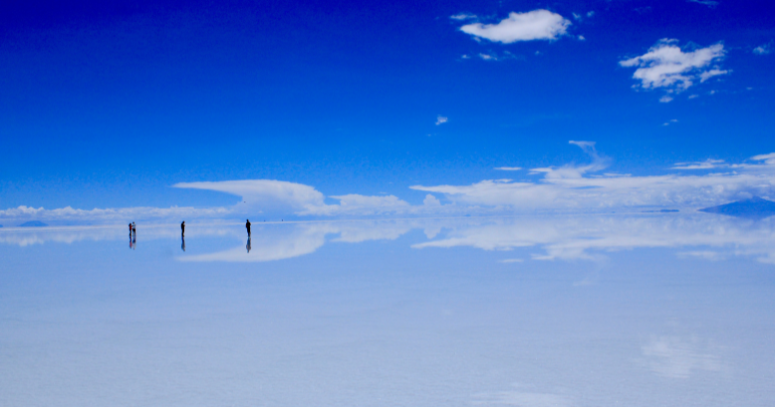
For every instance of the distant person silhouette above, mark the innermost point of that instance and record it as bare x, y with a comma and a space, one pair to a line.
248, 245
130, 230
183, 228
247, 226
183, 245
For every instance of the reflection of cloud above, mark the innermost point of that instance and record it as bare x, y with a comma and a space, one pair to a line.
298, 239
533, 25
72, 234
279, 243
521, 399
677, 357
564, 237
586, 237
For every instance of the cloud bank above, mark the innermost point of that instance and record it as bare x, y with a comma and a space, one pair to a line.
533, 25
573, 187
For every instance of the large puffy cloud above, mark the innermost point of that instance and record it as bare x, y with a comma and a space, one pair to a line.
268, 194
533, 25
665, 65
300, 199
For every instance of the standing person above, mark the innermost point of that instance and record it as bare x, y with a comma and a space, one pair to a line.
247, 226
183, 228
130, 230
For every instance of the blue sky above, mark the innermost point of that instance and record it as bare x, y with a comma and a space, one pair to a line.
110, 106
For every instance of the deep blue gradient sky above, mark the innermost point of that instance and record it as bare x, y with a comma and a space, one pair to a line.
109, 105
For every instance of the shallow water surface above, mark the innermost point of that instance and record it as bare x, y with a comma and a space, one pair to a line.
594, 310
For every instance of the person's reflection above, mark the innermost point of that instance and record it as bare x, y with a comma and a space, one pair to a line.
183, 245
248, 245
134, 240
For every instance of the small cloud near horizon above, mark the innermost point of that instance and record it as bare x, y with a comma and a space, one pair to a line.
441, 120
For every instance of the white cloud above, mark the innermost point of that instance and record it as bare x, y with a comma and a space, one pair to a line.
581, 38
762, 49
709, 3
667, 123
590, 13
508, 168
577, 16
666, 99
487, 57
462, 16
266, 194
769, 159
703, 165
711, 73
511, 261
441, 120
431, 200
533, 25
665, 65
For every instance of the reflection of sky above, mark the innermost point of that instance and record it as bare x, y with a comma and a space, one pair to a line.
404, 312
570, 237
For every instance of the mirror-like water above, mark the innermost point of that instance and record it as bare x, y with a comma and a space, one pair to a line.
594, 310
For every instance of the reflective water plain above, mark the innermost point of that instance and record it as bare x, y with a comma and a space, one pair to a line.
593, 310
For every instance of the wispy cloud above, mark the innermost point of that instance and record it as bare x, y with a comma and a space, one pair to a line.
463, 16
669, 122
508, 168
702, 165
666, 66
709, 3
441, 120
579, 187
533, 25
